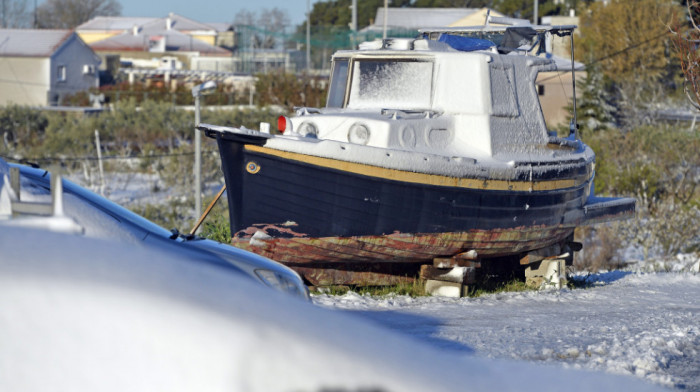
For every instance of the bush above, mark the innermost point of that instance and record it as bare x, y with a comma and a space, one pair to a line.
651, 163
659, 166
289, 90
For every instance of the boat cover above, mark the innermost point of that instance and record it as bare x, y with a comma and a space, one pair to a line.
466, 44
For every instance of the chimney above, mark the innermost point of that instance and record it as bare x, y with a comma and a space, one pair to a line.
168, 23
135, 30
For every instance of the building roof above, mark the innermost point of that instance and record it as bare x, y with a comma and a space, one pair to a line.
415, 18
123, 23
181, 23
221, 26
32, 43
175, 41
107, 23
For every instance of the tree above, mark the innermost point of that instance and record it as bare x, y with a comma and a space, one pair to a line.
628, 38
595, 108
265, 30
685, 38
14, 14
244, 17
274, 23
68, 14
630, 43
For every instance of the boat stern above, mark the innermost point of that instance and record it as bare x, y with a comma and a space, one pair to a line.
608, 209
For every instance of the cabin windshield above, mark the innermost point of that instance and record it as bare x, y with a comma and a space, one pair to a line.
391, 83
336, 91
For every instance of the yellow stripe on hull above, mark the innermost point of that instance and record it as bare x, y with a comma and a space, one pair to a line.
422, 178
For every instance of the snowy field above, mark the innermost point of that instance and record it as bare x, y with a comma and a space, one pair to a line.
627, 322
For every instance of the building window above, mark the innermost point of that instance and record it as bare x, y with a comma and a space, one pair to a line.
61, 73
540, 89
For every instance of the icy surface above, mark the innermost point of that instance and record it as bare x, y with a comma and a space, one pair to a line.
645, 325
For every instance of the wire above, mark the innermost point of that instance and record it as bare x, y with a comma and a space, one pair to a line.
93, 158
619, 52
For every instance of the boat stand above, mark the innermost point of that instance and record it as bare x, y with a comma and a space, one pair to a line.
548, 273
450, 277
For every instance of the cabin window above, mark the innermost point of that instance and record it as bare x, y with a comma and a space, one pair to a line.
61, 73
391, 84
339, 79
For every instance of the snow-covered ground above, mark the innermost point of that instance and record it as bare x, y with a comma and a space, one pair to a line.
82, 314
637, 322
626, 322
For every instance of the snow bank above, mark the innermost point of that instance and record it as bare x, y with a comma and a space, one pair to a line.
86, 315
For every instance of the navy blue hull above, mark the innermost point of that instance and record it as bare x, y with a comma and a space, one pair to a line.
324, 202
299, 209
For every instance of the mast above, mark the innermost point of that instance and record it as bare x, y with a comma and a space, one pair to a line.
573, 128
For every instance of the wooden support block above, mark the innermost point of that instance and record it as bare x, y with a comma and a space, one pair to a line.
541, 254
550, 273
445, 289
449, 262
461, 275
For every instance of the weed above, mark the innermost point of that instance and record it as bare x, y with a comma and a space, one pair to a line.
514, 285
216, 225
414, 288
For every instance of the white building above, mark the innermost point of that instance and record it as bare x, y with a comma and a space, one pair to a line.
39, 67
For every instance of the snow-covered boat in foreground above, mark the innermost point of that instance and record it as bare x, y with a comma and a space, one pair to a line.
422, 151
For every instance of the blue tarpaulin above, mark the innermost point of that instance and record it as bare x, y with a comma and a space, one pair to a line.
465, 44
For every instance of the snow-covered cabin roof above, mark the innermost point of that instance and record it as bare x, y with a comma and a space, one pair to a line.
32, 43
415, 18
175, 41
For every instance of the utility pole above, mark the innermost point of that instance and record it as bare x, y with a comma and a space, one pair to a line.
205, 88
197, 159
534, 14
386, 15
353, 23
308, 37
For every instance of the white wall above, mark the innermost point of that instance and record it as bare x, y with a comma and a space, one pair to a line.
24, 80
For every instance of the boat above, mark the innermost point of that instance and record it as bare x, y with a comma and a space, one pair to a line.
428, 148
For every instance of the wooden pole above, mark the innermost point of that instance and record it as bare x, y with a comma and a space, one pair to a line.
206, 212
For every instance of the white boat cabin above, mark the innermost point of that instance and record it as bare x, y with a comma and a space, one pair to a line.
424, 96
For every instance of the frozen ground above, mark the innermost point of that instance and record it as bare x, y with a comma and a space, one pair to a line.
626, 322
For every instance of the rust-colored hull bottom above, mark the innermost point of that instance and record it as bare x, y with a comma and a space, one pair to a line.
402, 247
